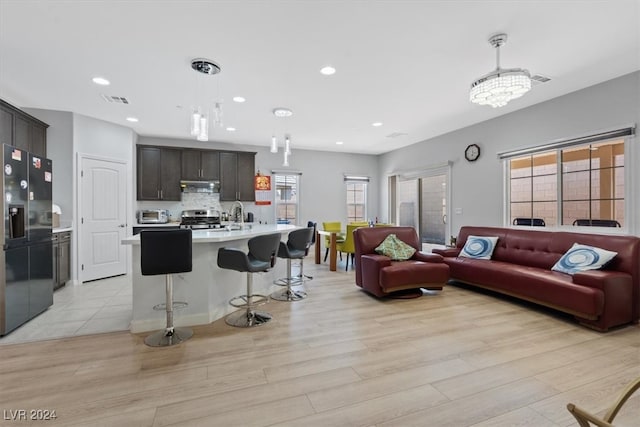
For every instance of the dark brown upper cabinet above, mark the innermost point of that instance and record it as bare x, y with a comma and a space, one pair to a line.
22, 130
237, 171
158, 173
200, 165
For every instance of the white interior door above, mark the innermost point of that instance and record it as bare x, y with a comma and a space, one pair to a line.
103, 197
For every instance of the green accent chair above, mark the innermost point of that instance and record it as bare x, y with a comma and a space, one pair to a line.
337, 227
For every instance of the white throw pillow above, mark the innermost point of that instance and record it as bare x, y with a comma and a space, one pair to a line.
480, 247
583, 258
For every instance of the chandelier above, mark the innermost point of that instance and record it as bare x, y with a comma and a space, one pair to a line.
199, 117
501, 85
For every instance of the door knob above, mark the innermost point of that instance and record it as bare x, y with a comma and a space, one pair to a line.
122, 225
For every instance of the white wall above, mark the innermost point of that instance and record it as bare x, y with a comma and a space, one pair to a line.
323, 194
477, 187
108, 141
71, 134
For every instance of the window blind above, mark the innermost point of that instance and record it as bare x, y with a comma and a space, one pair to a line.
563, 143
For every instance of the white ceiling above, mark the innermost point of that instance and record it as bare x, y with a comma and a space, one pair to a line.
407, 64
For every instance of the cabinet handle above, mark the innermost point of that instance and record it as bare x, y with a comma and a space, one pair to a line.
161, 194
158, 194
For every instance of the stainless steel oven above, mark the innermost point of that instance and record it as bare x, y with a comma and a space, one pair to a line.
200, 219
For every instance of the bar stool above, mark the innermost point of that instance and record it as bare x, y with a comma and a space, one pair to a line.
166, 252
261, 257
296, 247
301, 275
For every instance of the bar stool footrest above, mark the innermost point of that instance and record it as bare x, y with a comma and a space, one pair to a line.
177, 305
242, 301
285, 281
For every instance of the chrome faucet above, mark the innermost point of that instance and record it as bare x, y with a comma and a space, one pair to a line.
237, 205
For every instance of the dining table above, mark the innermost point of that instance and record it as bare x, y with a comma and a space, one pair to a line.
333, 239
333, 252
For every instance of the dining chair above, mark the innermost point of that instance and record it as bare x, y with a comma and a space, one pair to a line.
349, 246
597, 223
337, 227
531, 222
585, 419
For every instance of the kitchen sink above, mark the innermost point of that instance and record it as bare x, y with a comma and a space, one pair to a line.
237, 227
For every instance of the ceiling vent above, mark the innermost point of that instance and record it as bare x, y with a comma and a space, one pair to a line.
114, 99
396, 134
539, 79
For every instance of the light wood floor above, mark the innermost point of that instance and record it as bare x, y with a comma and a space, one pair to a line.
339, 358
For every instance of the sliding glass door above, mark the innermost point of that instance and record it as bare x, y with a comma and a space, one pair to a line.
433, 209
422, 202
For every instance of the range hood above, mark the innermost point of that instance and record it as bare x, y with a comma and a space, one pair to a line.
200, 186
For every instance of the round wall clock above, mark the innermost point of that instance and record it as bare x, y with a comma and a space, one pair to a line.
472, 152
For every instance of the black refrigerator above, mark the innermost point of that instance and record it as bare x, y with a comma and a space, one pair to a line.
26, 279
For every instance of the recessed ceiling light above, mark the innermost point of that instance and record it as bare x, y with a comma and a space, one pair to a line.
328, 70
239, 99
132, 119
282, 112
376, 124
230, 129
339, 142
101, 81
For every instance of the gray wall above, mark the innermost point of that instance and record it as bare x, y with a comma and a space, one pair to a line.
60, 151
323, 194
477, 188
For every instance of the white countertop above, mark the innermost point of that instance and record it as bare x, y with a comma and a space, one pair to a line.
168, 224
221, 235
61, 229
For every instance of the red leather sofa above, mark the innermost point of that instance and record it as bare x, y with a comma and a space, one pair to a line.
521, 266
380, 276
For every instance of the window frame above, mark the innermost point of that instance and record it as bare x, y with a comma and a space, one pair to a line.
354, 180
625, 134
277, 202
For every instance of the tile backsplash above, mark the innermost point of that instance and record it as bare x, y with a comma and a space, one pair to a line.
200, 201
204, 201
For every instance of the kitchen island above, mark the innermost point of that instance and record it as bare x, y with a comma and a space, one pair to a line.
207, 289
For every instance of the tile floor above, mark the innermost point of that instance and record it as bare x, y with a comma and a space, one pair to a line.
90, 308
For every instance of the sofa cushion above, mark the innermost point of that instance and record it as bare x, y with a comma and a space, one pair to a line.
552, 288
395, 248
412, 274
480, 247
583, 258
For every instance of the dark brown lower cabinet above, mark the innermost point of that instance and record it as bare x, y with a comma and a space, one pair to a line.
61, 258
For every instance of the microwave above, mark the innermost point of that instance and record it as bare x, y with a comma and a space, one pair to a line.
153, 216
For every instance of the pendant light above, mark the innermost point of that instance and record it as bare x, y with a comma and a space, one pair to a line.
199, 120
282, 113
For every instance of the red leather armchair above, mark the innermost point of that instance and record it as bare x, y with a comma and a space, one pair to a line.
380, 276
